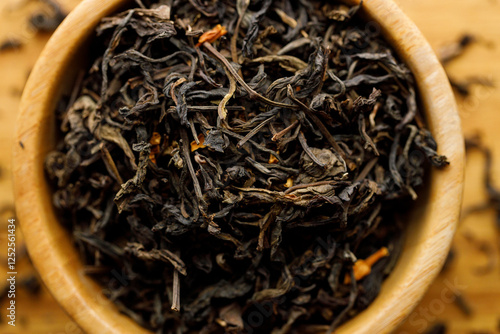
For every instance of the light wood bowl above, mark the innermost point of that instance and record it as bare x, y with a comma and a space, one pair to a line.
431, 224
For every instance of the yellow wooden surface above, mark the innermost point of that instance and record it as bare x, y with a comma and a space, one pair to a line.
441, 22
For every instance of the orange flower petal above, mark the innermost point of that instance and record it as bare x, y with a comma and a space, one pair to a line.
362, 268
155, 139
212, 35
273, 159
195, 146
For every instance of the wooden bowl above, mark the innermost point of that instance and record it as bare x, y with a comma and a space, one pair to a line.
431, 224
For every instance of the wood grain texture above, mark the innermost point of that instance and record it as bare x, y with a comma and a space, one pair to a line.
57, 261
40, 313
432, 226
440, 22
50, 246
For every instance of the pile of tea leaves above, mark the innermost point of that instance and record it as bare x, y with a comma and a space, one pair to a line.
239, 166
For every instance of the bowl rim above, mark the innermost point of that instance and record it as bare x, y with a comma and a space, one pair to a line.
83, 299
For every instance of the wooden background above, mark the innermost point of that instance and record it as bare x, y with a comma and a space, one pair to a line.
441, 22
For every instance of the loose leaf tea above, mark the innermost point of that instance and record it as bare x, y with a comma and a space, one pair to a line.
492, 192
49, 18
454, 50
238, 166
438, 328
474, 143
10, 44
